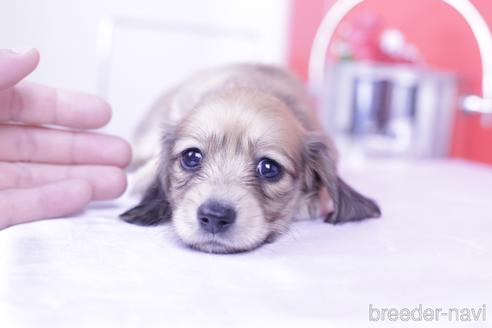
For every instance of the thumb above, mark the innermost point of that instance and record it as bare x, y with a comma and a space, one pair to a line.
15, 66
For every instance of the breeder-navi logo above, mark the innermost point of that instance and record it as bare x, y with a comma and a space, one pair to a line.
428, 314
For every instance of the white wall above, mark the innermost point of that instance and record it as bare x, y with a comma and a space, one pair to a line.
129, 51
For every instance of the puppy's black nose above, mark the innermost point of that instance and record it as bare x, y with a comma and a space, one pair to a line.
215, 217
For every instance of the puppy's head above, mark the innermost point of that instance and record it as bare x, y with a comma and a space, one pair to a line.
237, 170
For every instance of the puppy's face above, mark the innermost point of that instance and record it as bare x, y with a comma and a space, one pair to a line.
235, 172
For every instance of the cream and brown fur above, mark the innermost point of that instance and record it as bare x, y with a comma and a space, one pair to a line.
236, 116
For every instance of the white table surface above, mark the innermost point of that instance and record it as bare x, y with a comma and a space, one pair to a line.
432, 247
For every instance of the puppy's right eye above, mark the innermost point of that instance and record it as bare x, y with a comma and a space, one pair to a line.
191, 159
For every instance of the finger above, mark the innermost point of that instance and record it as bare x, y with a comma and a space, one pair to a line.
34, 144
49, 201
107, 182
37, 104
15, 67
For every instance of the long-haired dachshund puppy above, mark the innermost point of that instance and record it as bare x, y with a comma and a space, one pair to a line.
232, 156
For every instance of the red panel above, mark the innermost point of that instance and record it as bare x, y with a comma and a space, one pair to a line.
306, 16
440, 33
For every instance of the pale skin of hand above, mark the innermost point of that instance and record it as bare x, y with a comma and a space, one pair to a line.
45, 171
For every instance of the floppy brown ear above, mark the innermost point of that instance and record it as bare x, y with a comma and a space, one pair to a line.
348, 204
153, 209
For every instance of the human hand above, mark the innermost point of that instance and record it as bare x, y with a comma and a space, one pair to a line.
48, 172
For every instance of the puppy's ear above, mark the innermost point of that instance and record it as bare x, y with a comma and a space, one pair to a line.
349, 205
153, 209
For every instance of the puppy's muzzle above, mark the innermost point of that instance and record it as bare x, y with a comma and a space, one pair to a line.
215, 217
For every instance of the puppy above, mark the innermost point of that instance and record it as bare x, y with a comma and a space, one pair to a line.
232, 156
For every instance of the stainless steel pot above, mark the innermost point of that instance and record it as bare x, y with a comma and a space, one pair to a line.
389, 109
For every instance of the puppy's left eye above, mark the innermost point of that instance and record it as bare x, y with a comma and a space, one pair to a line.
269, 170
191, 159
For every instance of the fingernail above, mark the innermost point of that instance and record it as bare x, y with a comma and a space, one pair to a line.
19, 51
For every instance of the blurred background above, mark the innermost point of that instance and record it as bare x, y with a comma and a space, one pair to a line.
388, 78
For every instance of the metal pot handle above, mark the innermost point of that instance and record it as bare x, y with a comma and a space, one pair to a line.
469, 103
